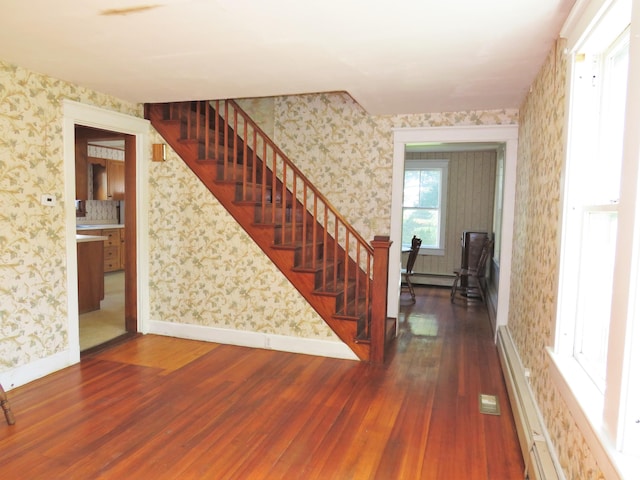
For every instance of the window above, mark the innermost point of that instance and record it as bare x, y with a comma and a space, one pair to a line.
593, 196
597, 316
424, 203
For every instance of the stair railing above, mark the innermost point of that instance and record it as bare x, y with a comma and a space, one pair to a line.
268, 177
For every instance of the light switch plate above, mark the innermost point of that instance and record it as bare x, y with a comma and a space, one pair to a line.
48, 200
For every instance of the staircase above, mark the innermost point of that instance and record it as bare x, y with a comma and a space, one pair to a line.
343, 277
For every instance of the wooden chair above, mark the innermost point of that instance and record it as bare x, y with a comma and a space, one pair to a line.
4, 403
407, 272
473, 276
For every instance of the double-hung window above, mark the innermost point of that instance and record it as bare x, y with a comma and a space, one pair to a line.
597, 317
424, 203
592, 200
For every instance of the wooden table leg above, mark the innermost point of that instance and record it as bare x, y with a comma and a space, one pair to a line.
4, 403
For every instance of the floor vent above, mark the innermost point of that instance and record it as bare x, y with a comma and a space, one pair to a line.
489, 404
536, 449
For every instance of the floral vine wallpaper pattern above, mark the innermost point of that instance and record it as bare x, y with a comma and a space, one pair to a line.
33, 297
205, 270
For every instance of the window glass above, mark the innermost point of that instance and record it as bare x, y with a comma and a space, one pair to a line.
423, 203
597, 256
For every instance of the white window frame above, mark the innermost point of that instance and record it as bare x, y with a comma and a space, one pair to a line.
443, 166
609, 419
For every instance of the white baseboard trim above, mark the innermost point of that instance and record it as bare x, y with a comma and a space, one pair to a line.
42, 367
308, 346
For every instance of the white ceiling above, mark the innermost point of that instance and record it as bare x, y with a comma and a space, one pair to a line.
392, 56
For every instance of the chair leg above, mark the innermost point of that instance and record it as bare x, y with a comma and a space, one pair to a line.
454, 287
4, 403
411, 291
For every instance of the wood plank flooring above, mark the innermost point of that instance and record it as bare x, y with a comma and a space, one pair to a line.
164, 408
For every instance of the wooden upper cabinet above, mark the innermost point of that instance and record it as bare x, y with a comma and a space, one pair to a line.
105, 176
115, 180
108, 179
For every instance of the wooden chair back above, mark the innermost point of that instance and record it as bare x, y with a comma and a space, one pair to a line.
413, 254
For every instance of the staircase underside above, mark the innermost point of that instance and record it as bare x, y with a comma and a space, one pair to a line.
314, 262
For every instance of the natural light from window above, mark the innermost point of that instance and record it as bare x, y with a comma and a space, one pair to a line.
424, 202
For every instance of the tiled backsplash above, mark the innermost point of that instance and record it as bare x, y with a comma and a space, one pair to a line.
99, 212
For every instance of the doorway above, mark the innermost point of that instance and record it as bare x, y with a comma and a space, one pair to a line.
133, 132
100, 210
506, 135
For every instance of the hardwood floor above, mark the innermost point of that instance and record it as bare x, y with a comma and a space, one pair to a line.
163, 408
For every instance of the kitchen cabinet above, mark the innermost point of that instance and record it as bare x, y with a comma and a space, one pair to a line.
115, 180
108, 179
90, 251
113, 257
112, 250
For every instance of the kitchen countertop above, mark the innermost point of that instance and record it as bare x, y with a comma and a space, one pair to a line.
105, 226
90, 238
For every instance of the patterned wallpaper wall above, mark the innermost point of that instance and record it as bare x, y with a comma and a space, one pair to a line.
191, 234
33, 271
203, 269
348, 153
218, 269
536, 255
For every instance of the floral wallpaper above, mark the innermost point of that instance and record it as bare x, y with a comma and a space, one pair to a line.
232, 277
536, 255
33, 297
205, 270
346, 152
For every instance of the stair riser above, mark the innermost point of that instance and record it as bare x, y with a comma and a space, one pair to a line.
329, 275
304, 257
287, 234
273, 213
236, 174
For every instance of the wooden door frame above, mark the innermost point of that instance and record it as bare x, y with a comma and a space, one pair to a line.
136, 132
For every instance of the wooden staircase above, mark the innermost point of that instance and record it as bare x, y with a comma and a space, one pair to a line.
342, 276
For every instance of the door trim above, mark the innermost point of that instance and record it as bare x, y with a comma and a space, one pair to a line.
75, 113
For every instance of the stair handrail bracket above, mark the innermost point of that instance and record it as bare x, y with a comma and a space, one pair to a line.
248, 172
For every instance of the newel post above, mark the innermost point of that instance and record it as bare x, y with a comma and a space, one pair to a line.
380, 246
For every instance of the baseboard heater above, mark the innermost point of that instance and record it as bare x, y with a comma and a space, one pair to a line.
540, 463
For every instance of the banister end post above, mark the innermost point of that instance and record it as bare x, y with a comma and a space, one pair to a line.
381, 245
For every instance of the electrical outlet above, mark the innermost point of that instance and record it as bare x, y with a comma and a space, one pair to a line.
48, 199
